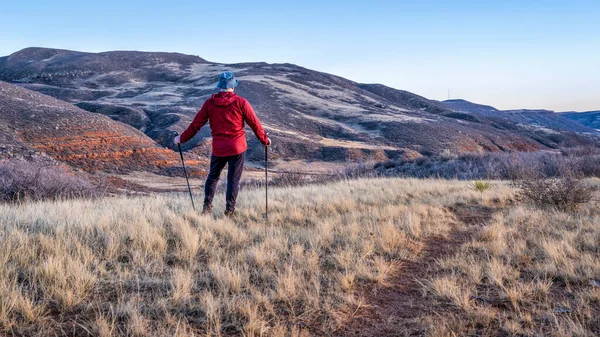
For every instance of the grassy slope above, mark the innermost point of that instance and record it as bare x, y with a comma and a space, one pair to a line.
151, 266
526, 272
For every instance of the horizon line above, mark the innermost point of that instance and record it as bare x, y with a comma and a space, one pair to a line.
294, 64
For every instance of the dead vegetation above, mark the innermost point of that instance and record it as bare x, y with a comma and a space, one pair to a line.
565, 193
509, 165
22, 181
152, 267
527, 271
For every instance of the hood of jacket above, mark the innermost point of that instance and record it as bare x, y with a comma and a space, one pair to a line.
224, 98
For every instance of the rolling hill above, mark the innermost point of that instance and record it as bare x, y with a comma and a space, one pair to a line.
526, 117
590, 119
35, 124
311, 116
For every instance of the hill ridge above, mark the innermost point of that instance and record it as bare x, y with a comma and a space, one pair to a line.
312, 116
535, 117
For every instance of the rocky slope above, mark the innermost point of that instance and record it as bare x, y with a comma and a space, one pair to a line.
35, 124
591, 119
311, 116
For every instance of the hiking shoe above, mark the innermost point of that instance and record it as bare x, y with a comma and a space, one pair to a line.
229, 213
206, 210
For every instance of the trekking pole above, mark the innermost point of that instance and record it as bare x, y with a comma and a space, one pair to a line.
266, 184
186, 176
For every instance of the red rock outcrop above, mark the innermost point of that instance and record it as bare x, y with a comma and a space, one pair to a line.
81, 139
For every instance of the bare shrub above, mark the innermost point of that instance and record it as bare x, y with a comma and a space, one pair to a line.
581, 151
289, 179
589, 166
300, 178
360, 170
29, 181
565, 192
495, 165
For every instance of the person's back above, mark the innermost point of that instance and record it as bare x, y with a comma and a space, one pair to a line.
226, 119
226, 113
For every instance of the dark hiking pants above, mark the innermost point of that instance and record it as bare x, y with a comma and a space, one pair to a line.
234, 174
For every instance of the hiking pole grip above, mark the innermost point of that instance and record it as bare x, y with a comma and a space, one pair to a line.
186, 176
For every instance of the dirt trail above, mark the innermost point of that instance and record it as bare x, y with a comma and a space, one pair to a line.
396, 310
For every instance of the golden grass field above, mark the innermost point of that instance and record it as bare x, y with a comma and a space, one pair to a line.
326, 264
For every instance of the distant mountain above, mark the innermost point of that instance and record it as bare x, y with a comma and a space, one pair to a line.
35, 124
466, 106
590, 119
534, 118
311, 116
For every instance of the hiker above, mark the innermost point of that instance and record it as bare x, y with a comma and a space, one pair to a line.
226, 113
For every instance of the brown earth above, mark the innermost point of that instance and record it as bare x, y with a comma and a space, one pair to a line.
81, 139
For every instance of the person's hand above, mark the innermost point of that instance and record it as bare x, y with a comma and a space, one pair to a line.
269, 142
177, 140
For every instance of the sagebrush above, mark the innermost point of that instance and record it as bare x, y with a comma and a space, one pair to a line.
495, 165
564, 193
22, 181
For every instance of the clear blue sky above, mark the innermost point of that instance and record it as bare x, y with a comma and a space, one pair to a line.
510, 54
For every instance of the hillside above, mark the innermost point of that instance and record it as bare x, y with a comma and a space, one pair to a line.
33, 123
311, 116
591, 119
380, 257
466, 106
540, 119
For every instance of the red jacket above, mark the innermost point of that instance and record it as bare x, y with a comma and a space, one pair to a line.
226, 112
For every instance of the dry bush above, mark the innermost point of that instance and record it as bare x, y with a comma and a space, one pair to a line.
291, 179
494, 165
151, 266
296, 178
29, 181
567, 190
564, 194
359, 170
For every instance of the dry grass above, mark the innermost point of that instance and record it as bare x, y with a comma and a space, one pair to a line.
151, 266
528, 272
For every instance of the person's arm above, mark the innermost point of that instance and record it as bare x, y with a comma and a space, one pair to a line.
198, 122
252, 121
